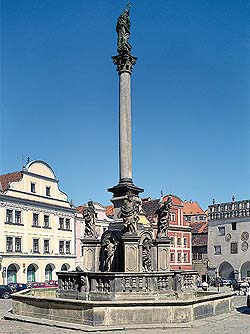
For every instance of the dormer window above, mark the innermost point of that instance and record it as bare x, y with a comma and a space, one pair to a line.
47, 191
33, 187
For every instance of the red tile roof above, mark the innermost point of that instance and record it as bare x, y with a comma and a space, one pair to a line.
109, 210
192, 208
199, 240
199, 227
175, 199
80, 208
6, 179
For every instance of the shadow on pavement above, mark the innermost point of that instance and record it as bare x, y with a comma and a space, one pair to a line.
243, 309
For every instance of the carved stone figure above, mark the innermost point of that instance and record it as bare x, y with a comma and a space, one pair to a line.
89, 216
163, 218
123, 31
130, 214
109, 252
146, 258
108, 249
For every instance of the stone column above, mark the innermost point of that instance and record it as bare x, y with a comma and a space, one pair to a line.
124, 62
125, 137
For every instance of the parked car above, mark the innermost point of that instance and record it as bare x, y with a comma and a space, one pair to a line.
5, 291
15, 287
248, 298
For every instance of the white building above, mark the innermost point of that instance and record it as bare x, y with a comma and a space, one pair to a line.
228, 239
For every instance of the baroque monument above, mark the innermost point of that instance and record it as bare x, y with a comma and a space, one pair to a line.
125, 278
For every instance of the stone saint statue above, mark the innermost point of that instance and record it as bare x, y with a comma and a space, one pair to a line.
89, 216
109, 253
146, 258
123, 31
130, 214
163, 218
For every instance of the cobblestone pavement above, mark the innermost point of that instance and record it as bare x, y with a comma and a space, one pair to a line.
236, 322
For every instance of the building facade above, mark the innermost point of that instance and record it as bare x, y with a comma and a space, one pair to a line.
228, 239
197, 218
38, 226
179, 231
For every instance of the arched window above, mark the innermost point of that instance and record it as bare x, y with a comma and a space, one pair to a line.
11, 274
31, 273
65, 267
48, 273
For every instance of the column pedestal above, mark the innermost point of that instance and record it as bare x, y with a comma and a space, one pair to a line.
131, 252
91, 254
163, 255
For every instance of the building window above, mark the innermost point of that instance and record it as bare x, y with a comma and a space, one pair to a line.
172, 257
33, 187
67, 224
46, 221
61, 223
185, 257
185, 242
47, 191
9, 216
35, 219
46, 246
189, 218
172, 241
178, 241
217, 250
172, 217
61, 247
9, 244
196, 218
201, 217
67, 247
17, 217
18, 244
199, 256
179, 257
234, 226
234, 247
35, 245
221, 230
194, 256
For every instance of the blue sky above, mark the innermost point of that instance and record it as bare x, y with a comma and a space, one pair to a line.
190, 95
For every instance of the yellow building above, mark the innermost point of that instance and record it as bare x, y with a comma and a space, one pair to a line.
37, 226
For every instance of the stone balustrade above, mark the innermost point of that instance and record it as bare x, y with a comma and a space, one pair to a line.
111, 286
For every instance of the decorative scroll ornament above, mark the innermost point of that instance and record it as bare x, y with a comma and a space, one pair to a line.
228, 237
244, 236
130, 214
89, 216
163, 218
244, 246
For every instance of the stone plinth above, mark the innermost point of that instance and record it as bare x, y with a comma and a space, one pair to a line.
162, 246
91, 253
131, 252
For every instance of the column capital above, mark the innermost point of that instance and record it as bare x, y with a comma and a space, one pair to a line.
124, 62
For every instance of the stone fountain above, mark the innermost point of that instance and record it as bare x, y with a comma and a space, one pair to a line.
125, 278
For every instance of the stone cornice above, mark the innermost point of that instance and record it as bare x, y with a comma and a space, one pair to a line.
36, 207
